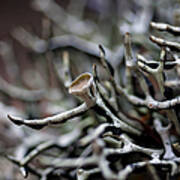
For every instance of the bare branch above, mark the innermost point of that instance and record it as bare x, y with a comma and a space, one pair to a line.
131, 147
164, 134
149, 102
56, 119
130, 63
166, 27
123, 174
162, 42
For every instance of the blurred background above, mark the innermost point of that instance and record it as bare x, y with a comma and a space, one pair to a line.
35, 37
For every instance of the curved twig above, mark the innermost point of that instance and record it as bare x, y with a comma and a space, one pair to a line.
56, 119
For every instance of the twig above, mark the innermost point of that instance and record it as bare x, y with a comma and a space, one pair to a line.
39, 45
59, 42
83, 87
83, 45
56, 119
123, 174
131, 147
31, 169
166, 27
40, 148
162, 42
149, 102
164, 134
130, 63
102, 162
100, 102
157, 73
95, 134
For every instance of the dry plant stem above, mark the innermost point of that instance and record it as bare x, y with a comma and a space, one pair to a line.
174, 55
131, 69
59, 42
107, 66
164, 134
23, 162
20, 93
129, 62
79, 44
104, 166
143, 83
168, 65
131, 147
116, 121
128, 147
95, 134
40, 148
87, 47
166, 27
31, 142
157, 75
104, 62
149, 102
83, 92
103, 139
31, 169
99, 101
112, 98
146, 64
104, 90
162, 42
56, 119
130, 121
123, 174
102, 162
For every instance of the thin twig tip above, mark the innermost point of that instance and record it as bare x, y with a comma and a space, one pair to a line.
102, 49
